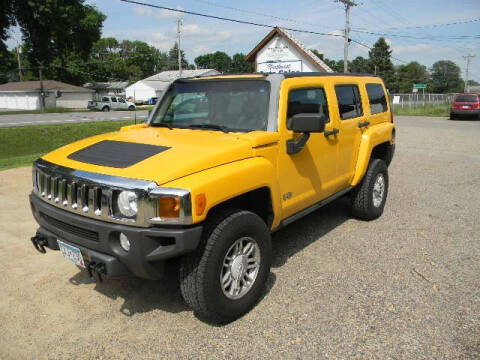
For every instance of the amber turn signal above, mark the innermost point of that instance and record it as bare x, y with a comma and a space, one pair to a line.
168, 207
200, 204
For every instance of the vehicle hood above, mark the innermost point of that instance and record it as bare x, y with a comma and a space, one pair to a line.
183, 151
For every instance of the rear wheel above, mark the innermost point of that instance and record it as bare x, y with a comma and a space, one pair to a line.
369, 197
452, 117
225, 277
105, 109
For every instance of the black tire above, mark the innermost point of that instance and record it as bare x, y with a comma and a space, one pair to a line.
362, 195
105, 108
452, 117
131, 108
200, 270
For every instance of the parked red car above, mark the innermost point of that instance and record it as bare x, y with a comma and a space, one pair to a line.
465, 104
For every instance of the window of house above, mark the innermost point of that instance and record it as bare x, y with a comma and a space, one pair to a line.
349, 101
310, 100
377, 98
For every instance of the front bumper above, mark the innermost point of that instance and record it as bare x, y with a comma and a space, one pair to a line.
98, 241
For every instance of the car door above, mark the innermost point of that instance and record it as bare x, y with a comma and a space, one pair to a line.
114, 103
311, 174
121, 103
352, 120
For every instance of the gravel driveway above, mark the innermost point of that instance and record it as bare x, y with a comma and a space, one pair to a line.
406, 286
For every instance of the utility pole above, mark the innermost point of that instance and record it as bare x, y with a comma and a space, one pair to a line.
469, 58
348, 4
20, 73
42, 95
179, 25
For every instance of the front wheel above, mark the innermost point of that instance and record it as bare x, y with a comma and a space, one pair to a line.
369, 197
131, 108
225, 277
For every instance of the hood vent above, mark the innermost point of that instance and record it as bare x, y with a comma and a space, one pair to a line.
117, 154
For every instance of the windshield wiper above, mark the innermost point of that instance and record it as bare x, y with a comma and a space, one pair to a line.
163, 124
210, 126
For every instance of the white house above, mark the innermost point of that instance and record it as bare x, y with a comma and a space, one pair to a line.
26, 95
280, 52
155, 85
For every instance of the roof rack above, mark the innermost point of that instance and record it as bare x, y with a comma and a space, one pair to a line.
301, 74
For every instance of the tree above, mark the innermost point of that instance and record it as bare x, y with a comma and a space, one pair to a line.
54, 29
240, 65
409, 74
380, 58
218, 60
336, 66
445, 77
359, 65
172, 59
7, 19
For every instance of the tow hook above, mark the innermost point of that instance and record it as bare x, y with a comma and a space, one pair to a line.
96, 270
39, 242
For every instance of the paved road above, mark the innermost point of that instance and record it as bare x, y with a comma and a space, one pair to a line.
405, 286
15, 120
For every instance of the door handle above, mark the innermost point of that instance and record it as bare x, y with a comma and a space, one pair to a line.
363, 124
334, 131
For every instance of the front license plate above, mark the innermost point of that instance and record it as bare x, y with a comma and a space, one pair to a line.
71, 253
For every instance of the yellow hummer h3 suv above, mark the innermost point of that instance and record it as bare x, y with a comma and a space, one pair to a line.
220, 163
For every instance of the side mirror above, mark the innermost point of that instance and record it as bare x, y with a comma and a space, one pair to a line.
307, 123
304, 123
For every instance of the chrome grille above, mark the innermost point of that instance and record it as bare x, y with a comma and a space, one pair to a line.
90, 194
73, 195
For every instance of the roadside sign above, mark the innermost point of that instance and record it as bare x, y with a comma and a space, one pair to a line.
396, 99
419, 86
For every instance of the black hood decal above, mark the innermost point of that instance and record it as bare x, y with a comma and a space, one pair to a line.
117, 154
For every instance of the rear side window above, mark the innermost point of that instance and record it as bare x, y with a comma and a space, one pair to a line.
349, 101
105, 99
311, 101
377, 98
466, 98
114, 99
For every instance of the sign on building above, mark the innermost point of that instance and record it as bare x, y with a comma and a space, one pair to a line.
280, 52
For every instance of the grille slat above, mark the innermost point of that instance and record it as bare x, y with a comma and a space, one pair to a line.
71, 229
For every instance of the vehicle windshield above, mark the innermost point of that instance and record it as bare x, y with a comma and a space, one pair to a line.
225, 105
466, 98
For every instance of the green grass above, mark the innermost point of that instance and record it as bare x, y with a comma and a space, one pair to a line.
44, 111
20, 146
428, 110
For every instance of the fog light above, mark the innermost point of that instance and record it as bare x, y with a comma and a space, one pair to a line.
124, 242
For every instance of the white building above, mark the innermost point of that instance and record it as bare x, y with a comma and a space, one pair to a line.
155, 85
25, 95
280, 52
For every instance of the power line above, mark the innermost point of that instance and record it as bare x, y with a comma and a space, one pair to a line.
459, 22
249, 23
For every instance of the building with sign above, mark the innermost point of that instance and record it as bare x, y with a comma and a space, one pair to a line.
280, 52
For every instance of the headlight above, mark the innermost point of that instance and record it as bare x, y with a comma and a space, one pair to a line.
127, 203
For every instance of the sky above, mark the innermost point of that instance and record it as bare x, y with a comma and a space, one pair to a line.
414, 29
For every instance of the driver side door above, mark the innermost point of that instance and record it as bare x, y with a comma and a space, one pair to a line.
311, 174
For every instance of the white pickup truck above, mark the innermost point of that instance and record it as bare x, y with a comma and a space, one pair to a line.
108, 103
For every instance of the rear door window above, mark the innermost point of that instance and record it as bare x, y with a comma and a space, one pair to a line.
377, 98
114, 99
105, 99
349, 101
311, 101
